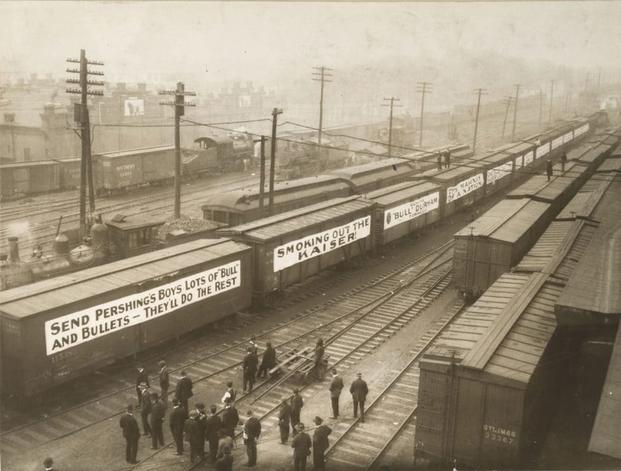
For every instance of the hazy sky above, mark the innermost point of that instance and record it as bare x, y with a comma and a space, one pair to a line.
261, 40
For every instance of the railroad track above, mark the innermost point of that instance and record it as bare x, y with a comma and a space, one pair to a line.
218, 365
360, 446
384, 316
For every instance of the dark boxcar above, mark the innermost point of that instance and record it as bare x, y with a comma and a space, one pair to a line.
69, 173
241, 206
374, 175
490, 381
405, 208
118, 170
57, 329
497, 241
292, 246
29, 178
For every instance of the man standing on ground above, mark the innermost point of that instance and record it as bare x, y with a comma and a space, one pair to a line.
320, 444
252, 430
183, 391
146, 409
336, 386
164, 382
296, 409
301, 445
158, 411
230, 393
141, 377
225, 442
177, 422
129, 424
359, 391
193, 435
268, 361
249, 366
212, 425
230, 419
284, 419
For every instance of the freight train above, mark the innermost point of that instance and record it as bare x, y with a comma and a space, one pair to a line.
124, 170
75, 323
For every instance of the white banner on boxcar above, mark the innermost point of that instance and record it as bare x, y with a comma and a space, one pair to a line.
528, 158
86, 325
567, 137
496, 173
463, 188
299, 250
557, 142
411, 210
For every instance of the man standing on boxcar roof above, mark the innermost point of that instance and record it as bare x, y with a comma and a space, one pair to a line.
549, 170
183, 391
141, 377
131, 434
164, 381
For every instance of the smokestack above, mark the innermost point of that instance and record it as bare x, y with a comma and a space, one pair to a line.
13, 249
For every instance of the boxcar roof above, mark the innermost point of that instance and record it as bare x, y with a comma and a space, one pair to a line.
34, 163
610, 165
540, 189
49, 294
374, 168
605, 436
140, 151
507, 221
247, 198
401, 191
299, 219
459, 172
513, 148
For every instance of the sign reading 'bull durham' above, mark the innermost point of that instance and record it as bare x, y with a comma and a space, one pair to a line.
299, 250
411, 210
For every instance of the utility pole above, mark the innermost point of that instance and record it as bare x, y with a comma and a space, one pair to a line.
540, 106
392, 105
422, 88
179, 103
275, 113
515, 108
599, 79
508, 101
479, 92
551, 101
80, 111
322, 76
262, 176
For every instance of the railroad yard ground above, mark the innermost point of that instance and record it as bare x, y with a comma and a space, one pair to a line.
102, 442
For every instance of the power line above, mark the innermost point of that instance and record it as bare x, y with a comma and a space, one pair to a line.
551, 101
479, 92
515, 108
392, 105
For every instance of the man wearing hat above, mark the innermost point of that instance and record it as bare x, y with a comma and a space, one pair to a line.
296, 409
158, 411
359, 391
177, 422
320, 444
336, 386
301, 445
183, 390
212, 425
141, 377
284, 420
249, 365
252, 430
48, 464
164, 381
146, 409
131, 434
230, 418
193, 435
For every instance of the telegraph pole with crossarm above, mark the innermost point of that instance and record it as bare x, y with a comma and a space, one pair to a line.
391, 104
322, 75
479, 92
423, 89
179, 103
80, 112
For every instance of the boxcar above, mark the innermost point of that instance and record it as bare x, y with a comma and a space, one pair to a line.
70, 173
404, 208
56, 329
41, 176
464, 185
294, 245
497, 241
489, 383
241, 206
500, 171
374, 175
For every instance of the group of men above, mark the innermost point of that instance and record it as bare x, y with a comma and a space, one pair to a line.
198, 427
446, 158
